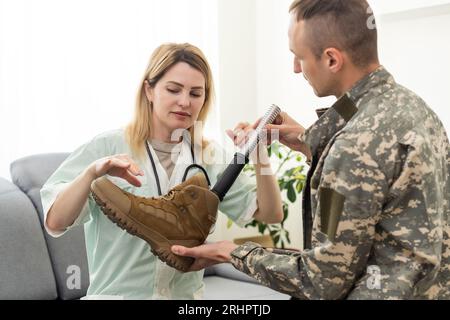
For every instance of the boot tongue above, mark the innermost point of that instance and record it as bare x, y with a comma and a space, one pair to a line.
203, 180
198, 180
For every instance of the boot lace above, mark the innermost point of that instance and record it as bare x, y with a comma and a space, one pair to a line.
170, 195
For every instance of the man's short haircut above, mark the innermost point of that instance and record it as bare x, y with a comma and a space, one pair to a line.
347, 25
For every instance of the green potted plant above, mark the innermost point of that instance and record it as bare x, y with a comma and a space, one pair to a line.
291, 180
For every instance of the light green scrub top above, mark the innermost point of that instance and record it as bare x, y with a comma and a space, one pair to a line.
121, 265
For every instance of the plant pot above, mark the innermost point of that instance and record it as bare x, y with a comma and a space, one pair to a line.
265, 241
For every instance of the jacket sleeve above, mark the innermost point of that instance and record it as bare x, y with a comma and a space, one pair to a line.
349, 201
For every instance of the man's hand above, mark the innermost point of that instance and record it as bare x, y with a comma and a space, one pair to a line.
207, 254
288, 131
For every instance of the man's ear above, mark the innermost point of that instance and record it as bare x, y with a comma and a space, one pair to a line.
334, 59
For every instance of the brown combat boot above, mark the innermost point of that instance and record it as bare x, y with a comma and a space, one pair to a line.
182, 217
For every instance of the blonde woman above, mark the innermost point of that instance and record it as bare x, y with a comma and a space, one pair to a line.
175, 93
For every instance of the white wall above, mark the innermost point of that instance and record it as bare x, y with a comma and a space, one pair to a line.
237, 91
237, 47
276, 81
388, 6
415, 47
70, 70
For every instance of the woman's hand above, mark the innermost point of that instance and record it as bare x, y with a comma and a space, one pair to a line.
240, 135
270, 208
121, 166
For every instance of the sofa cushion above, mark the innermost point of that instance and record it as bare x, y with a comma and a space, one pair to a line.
25, 267
67, 253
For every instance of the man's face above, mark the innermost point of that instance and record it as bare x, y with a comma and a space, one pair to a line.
314, 70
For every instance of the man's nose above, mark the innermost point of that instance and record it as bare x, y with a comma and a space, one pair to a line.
297, 66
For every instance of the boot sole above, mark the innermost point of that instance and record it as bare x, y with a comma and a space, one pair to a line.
159, 247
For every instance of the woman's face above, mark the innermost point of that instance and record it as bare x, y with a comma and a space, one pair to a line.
177, 98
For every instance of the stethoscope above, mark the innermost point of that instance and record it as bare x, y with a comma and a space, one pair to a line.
192, 166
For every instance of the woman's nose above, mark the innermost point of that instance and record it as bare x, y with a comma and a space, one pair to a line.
184, 100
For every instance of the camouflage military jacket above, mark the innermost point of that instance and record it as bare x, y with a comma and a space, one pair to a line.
379, 197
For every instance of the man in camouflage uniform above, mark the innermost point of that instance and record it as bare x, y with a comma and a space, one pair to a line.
376, 205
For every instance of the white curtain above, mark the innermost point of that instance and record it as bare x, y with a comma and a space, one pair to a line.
69, 69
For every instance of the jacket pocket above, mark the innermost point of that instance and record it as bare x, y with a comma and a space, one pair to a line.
331, 207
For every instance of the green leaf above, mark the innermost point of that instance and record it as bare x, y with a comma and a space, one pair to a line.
291, 180
292, 195
289, 172
287, 236
297, 170
276, 149
276, 239
229, 223
286, 213
299, 186
300, 177
253, 223
262, 227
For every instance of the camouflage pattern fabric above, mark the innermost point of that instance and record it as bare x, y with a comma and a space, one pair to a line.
379, 198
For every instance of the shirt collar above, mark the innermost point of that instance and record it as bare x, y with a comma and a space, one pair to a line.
347, 105
373, 81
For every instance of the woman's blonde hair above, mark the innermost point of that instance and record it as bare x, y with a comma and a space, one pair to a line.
162, 59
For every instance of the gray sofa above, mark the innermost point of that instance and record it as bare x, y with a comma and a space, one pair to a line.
33, 265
